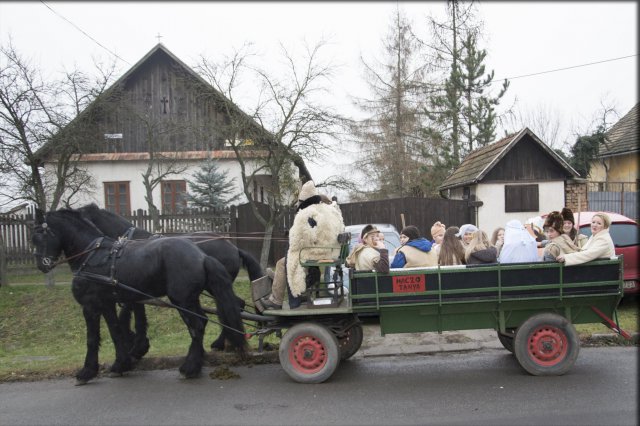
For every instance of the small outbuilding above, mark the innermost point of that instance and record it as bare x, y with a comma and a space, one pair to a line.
517, 177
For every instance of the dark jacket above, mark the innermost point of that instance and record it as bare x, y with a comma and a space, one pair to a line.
488, 255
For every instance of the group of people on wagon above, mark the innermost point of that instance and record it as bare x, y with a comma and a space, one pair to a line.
559, 241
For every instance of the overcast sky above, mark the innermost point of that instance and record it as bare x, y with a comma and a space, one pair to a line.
521, 38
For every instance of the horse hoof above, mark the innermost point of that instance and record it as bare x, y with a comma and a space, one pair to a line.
115, 374
80, 382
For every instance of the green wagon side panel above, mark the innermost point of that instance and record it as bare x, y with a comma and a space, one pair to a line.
496, 296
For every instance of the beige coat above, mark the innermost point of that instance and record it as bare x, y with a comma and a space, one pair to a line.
560, 245
367, 258
598, 246
416, 258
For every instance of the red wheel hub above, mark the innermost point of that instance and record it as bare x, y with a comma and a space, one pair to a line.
548, 346
307, 354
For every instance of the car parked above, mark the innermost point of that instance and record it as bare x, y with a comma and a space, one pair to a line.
624, 233
391, 236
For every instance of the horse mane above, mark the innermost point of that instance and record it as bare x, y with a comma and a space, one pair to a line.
71, 215
107, 221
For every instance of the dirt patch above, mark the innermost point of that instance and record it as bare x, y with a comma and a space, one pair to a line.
597, 340
457, 338
223, 373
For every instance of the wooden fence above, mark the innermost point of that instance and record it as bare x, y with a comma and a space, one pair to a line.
422, 212
244, 230
15, 229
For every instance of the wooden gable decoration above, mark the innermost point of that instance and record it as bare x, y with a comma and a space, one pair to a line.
520, 157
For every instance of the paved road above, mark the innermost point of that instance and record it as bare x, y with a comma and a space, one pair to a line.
481, 387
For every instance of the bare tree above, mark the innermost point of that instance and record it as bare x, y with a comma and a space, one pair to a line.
287, 125
34, 111
390, 138
543, 120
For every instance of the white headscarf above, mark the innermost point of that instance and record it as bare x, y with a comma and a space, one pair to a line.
519, 245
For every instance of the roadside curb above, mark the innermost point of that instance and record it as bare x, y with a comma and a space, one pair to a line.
375, 345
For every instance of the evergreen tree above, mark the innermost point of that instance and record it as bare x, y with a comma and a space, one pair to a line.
390, 139
211, 188
478, 110
585, 150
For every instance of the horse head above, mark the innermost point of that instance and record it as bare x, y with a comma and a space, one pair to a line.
46, 243
60, 231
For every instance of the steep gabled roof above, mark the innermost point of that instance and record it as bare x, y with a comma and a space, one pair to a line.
622, 138
49, 147
479, 163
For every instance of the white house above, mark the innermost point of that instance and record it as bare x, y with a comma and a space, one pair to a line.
517, 177
159, 107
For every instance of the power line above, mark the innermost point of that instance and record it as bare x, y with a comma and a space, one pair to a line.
565, 68
83, 32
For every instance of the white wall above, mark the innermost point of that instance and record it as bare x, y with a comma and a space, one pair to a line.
131, 171
492, 215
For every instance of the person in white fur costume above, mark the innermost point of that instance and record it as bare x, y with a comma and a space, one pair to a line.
314, 236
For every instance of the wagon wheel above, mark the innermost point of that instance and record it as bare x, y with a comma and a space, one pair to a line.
351, 342
309, 353
507, 338
546, 344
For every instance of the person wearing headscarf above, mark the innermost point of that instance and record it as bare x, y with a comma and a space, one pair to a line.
558, 242
480, 250
599, 245
519, 245
371, 254
414, 251
466, 233
569, 228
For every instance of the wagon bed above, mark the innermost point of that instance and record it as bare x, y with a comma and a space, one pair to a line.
532, 306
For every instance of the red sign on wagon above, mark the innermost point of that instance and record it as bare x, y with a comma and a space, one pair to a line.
409, 283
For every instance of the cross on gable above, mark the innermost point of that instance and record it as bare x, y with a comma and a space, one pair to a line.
158, 36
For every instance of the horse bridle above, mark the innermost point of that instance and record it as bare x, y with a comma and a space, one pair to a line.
47, 261
50, 262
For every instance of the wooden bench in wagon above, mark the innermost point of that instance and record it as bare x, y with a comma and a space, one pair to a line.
532, 306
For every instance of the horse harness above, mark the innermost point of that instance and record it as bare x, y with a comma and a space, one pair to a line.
112, 255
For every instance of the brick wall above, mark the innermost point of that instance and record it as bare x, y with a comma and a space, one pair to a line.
575, 195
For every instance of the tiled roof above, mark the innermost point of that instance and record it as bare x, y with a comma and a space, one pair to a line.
478, 163
622, 138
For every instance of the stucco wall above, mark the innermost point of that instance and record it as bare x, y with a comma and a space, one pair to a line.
622, 168
131, 171
492, 215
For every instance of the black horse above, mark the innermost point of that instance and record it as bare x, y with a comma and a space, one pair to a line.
107, 272
212, 244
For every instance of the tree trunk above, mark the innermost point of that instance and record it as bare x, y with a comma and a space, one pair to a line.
266, 244
50, 279
3, 263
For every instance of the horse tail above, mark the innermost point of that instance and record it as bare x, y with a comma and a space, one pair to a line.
251, 265
219, 285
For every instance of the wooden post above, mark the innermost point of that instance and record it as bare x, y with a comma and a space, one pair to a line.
402, 220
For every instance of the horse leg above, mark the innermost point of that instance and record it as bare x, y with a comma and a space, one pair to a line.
195, 357
124, 319
219, 343
141, 341
123, 361
90, 368
219, 286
